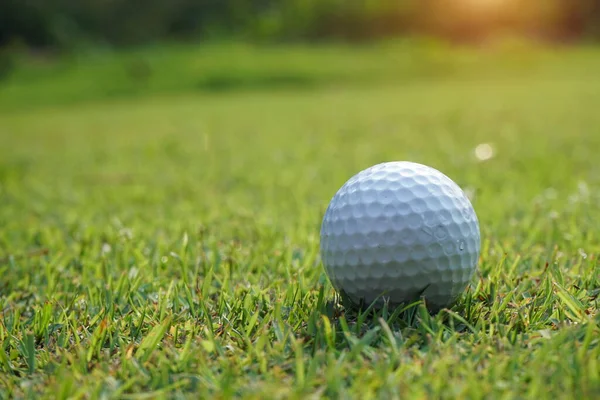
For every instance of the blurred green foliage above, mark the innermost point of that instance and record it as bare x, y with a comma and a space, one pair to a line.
222, 67
72, 23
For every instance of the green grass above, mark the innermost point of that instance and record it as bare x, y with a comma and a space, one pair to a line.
44, 79
167, 245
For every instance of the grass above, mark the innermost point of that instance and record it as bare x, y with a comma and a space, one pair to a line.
32, 80
167, 245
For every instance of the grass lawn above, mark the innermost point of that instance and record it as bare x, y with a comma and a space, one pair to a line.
164, 243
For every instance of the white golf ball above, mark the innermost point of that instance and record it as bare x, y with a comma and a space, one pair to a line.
398, 232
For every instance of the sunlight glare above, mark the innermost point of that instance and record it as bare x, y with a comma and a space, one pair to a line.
484, 5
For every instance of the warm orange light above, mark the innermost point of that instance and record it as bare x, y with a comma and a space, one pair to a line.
485, 19
484, 5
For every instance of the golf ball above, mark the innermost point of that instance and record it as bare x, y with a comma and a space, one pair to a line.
398, 232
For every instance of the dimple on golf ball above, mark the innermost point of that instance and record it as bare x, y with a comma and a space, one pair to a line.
398, 232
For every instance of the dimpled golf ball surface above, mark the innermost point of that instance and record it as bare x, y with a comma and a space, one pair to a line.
398, 232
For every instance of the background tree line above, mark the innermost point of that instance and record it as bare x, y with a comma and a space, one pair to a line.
65, 24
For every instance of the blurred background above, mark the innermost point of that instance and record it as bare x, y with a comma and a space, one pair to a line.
69, 24
69, 50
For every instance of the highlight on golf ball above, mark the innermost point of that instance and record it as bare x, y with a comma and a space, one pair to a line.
398, 232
